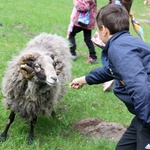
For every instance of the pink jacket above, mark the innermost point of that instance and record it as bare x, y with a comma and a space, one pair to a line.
85, 5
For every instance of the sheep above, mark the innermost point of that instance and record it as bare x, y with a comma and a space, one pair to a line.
35, 80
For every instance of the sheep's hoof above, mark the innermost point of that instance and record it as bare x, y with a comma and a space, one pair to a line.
3, 137
30, 140
53, 113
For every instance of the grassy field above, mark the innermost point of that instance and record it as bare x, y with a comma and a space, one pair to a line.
22, 20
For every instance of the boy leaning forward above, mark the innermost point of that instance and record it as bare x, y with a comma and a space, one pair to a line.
129, 66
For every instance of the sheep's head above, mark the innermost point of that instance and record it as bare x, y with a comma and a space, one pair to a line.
42, 68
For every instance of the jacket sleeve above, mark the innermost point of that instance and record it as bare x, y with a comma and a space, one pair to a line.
129, 65
99, 75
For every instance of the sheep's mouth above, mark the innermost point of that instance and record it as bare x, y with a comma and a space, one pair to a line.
51, 84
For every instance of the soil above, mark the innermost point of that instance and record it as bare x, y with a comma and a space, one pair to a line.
97, 128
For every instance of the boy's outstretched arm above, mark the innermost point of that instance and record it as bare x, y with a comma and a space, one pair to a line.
78, 83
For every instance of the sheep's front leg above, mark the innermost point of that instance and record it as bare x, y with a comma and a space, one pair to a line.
31, 133
11, 118
53, 114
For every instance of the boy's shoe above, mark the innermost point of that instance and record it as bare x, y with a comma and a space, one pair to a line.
107, 86
92, 60
73, 57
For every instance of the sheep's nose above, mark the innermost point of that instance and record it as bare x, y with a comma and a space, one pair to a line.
54, 78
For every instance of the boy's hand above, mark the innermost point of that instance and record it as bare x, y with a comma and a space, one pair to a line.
78, 83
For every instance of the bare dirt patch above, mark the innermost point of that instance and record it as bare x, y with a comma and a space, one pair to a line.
98, 128
18, 26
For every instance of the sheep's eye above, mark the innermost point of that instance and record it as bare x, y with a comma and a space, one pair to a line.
37, 68
54, 64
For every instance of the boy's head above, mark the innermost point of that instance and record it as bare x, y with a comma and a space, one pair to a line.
113, 17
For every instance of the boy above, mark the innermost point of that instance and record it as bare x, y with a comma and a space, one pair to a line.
129, 65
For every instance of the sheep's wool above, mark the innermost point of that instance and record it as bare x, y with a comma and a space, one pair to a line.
30, 99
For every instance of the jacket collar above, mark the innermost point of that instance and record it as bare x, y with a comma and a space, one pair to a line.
113, 38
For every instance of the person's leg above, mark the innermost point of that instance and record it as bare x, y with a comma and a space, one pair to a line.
89, 43
72, 41
104, 59
107, 86
143, 137
136, 137
128, 140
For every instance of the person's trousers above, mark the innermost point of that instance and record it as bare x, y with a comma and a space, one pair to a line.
104, 59
87, 40
136, 137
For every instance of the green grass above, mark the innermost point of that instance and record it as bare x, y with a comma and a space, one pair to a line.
33, 17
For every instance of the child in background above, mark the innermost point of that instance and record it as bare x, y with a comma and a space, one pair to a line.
74, 28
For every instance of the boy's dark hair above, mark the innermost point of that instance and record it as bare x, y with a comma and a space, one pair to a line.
114, 17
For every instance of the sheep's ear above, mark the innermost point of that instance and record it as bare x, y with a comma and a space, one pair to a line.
59, 65
26, 70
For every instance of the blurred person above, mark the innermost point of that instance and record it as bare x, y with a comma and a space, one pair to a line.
74, 28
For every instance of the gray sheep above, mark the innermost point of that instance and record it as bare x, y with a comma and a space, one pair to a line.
36, 79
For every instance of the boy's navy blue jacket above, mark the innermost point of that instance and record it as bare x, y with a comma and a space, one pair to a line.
129, 65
